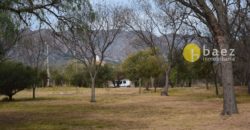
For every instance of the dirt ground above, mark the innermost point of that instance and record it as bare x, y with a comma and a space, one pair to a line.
68, 108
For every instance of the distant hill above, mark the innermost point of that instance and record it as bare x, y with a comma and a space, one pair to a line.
122, 47
116, 53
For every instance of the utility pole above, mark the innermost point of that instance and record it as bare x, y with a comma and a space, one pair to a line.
47, 66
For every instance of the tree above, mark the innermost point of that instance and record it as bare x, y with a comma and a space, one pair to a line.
165, 18
89, 38
241, 67
118, 74
15, 77
104, 75
80, 79
43, 10
31, 50
142, 65
215, 14
74, 73
8, 35
58, 78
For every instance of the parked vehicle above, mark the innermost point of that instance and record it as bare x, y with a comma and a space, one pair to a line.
121, 83
124, 83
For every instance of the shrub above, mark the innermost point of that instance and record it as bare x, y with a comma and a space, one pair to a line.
79, 79
15, 77
58, 78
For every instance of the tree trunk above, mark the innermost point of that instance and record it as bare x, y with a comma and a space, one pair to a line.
165, 88
114, 83
147, 85
229, 106
152, 82
171, 83
10, 97
207, 86
190, 82
216, 86
139, 86
220, 76
34, 92
118, 83
215, 75
92, 90
248, 85
247, 82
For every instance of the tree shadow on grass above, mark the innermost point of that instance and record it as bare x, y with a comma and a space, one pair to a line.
5, 99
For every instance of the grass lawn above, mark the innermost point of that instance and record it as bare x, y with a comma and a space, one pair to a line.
68, 108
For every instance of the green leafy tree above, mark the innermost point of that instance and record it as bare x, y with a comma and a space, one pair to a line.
76, 73
105, 74
142, 65
118, 74
42, 78
15, 77
71, 69
80, 79
8, 34
58, 78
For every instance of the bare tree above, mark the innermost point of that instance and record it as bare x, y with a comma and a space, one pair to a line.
9, 35
27, 12
89, 38
31, 50
167, 20
242, 36
215, 14
144, 29
45, 11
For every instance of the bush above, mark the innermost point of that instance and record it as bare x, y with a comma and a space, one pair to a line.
58, 78
82, 78
42, 78
15, 77
104, 75
79, 79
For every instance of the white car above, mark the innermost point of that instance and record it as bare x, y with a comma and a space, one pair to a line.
123, 83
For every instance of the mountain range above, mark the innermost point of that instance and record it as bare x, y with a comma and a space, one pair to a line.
123, 46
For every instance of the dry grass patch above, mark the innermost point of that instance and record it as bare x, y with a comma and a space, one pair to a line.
67, 108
